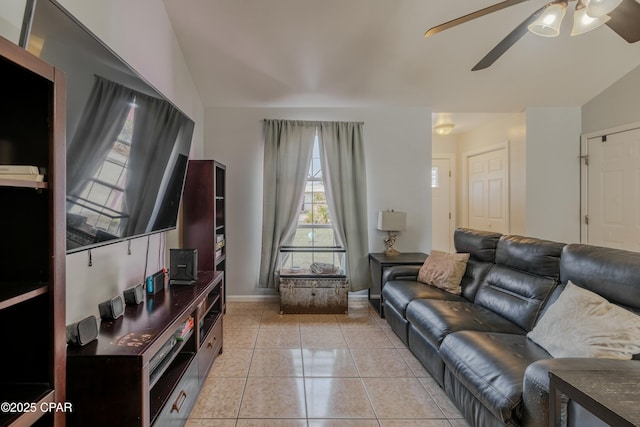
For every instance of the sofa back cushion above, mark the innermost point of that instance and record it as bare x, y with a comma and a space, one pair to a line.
612, 273
525, 274
536, 256
481, 247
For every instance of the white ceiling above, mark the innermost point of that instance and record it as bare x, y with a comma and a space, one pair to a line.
372, 53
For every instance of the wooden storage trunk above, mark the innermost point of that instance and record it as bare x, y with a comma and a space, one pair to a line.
314, 295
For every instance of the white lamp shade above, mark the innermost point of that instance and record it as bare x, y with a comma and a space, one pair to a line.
392, 220
582, 22
548, 24
599, 8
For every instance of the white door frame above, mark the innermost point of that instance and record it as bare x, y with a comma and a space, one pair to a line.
465, 178
584, 173
451, 157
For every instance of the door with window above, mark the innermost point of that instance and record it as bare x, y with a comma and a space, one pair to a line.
442, 212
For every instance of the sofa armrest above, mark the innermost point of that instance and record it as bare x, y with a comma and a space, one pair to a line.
401, 272
536, 384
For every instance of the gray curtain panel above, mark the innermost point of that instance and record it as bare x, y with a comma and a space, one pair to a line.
287, 156
156, 128
343, 165
288, 149
101, 122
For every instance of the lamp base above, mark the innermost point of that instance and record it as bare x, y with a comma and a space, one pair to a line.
388, 244
391, 251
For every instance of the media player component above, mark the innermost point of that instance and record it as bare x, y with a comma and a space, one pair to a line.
155, 283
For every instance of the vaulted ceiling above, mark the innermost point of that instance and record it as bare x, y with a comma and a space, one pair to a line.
372, 53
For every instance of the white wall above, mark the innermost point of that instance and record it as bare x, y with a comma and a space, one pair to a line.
618, 105
553, 173
398, 161
141, 34
11, 13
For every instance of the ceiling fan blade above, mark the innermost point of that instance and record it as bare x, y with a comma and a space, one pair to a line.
625, 20
508, 41
471, 16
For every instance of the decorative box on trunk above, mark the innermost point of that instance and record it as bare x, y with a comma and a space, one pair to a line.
313, 280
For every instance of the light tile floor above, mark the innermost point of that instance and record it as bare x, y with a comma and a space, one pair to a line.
317, 370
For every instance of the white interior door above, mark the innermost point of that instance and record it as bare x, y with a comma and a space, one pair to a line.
442, 222
613, 198
488, 191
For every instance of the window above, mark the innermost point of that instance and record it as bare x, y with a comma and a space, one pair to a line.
101, 200
435, 177
315, 239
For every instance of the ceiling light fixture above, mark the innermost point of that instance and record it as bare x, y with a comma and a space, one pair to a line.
588, 15
548, 23
582, 22
444, 129
599, 8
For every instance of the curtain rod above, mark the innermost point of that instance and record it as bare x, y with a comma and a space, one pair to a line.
311, 121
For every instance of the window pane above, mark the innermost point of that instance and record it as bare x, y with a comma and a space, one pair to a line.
109, 172
314, 223
435, 175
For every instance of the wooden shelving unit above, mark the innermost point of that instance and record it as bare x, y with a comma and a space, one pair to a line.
32, 253
204, 224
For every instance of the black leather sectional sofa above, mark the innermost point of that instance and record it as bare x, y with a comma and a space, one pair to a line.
475, 344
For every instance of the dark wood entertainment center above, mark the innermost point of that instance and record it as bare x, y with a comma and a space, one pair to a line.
138, 373
204, 215
32, 251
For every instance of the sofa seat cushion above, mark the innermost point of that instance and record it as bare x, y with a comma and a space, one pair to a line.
399, 293
435, 319
492, 366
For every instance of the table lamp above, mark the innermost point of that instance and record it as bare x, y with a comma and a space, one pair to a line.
392, 222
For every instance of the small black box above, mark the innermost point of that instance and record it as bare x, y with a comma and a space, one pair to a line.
134, 295
82, 332
183, 266
111, 309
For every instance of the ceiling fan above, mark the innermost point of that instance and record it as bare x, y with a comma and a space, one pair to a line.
622, 16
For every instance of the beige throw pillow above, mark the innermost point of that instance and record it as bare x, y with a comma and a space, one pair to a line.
444, 271
581, 323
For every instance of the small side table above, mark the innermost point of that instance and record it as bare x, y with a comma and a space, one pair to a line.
612, 396
378, 262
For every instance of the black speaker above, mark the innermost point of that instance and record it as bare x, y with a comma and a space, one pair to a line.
134, 295
111, 309
183, 266
82, 332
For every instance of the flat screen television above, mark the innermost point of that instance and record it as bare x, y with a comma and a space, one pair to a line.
127, 145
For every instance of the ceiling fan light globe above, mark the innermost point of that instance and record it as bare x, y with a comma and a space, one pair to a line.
583, 23
548, 23
600, 8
